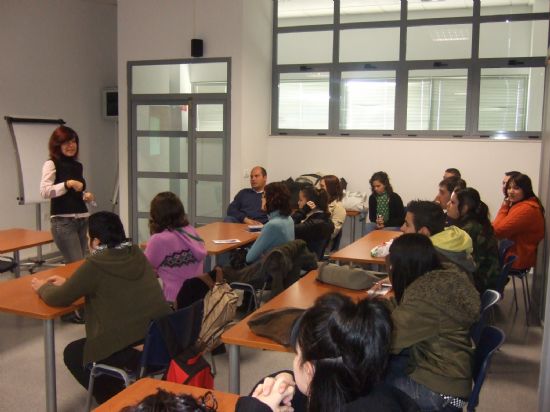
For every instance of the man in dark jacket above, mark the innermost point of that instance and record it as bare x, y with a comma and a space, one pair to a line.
247, 205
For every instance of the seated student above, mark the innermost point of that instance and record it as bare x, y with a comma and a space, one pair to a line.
122, 296
453, 243
385, 206
446, 188
342, 351
175, 249
452, 172
436, 306
280, 227
521, 219
331, 184
312, 221
247, 205
472, 215
507, 176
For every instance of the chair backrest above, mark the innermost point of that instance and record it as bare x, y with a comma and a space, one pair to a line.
169, 335
336, 241
491, 339
503, 246
489, 298
318, 247
501, 281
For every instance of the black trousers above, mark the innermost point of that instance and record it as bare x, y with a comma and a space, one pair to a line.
105, 386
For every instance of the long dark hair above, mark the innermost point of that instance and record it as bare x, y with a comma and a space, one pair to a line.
334, 188
164, 401
383, 178
167, 212
348, 343
411, 256
317, 196
107, 227
524, 183
476, 209
277, 197
61, 135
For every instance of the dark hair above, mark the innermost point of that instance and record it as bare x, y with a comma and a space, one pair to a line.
107, 227
475, 209
427, 214
411, 256
334, 188
383, 178
262, 170
524, 183
164, 401
166, 212
512, 173
59, 136
452, 183
317, 196
348, 343
277, 197
453, 171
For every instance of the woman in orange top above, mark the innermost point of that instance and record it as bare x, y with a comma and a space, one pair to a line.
521, 219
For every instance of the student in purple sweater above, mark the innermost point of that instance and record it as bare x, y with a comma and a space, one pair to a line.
175, 249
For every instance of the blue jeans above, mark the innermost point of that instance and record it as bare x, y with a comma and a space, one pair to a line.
425, 398
70, 237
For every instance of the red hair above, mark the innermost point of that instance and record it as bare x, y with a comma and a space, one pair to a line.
59, 136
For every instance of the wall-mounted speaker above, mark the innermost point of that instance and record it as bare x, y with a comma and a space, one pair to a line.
196, 47
110, 103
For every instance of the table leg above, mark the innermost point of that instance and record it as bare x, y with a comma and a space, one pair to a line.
353, 229
49, 355
16, 259
234, 369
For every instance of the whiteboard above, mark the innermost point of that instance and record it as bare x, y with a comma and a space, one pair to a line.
30, 140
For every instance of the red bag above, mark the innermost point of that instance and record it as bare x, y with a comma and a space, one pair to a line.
190, 369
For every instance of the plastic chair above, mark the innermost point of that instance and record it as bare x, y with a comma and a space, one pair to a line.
488, 299
501, 281
490, 340
7, 264
521, 274
184, 325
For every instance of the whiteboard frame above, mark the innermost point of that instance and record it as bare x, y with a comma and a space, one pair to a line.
11, 120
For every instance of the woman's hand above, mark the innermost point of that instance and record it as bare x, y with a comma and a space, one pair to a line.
311, 204
75, 185
54, 280
88, 197
379, 222
276, 392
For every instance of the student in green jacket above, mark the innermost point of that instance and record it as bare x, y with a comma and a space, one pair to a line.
122, 296
436, 306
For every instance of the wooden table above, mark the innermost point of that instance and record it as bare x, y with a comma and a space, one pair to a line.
359, 251
18, 297
147, 386
224, 230
13, 240
301, 294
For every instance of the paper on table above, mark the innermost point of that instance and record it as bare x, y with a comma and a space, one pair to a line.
224, 241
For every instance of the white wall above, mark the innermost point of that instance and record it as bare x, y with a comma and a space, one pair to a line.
240, 29
57, 56
415, 166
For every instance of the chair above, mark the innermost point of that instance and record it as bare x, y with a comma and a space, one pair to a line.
501, 281
490, 340
503, 247
7, 264
521, 274
183, 325
488, 299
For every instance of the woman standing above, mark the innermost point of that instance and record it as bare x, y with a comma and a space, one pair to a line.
472, 215
436, 306
63, 182
386, 209
521, 219
331, 184
175, 249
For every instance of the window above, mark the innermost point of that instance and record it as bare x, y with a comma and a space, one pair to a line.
409, 67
